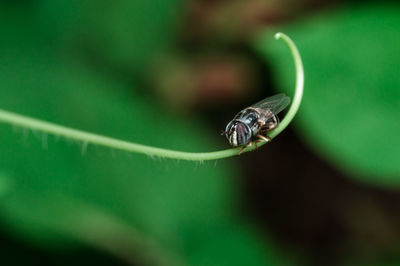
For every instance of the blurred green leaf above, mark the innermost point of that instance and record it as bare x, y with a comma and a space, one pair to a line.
350, 113
235, 244
57, 192
6, 183
131, 33
156, 196
38, 26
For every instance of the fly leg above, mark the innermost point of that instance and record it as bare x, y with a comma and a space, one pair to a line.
244, 147
262, 138
265, 138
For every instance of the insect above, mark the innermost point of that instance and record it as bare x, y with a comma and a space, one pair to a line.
253, 122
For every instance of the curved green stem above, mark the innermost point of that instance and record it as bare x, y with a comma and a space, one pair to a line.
35, 124
298, 94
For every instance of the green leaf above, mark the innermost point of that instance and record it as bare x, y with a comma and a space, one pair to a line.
234, 244
42, 25
350, 113
63, 192
139, 208
59, 193
154, 195
130, 34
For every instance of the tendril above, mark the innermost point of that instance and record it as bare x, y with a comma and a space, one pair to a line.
91, 138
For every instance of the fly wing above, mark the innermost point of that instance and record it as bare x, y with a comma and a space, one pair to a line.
274, 103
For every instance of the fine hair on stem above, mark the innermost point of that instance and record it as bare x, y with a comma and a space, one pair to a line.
86, 137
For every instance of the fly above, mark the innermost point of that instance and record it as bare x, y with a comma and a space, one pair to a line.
252, 123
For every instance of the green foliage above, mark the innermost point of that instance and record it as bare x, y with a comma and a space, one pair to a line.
350, 113
60, 193
58, 185
131, 33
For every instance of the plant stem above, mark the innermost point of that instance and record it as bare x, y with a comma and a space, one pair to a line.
86, 137
298, 94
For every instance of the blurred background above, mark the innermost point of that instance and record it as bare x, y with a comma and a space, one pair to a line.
171, 74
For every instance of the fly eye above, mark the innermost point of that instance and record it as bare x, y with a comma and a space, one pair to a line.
228, 128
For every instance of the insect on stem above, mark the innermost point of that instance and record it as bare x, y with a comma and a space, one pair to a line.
91, 138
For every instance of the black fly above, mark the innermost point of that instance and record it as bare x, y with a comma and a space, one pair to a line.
253, 122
